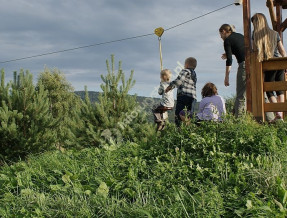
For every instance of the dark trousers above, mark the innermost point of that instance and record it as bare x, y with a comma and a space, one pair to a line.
272, 76
183, 101
240, 101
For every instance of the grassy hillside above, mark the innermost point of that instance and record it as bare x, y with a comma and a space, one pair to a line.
106, 160
233, 169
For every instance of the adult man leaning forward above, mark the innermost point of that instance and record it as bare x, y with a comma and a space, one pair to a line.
234, 45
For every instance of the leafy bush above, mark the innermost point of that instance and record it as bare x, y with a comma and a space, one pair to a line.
236, 168
64, 105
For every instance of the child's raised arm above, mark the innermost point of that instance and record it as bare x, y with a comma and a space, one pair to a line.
178, 81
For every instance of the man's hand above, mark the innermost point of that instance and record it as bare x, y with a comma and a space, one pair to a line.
168, 89
226, 81
223, 57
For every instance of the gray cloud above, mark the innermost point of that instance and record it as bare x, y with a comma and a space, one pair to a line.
35, 27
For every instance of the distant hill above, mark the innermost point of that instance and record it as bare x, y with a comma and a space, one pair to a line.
140, 99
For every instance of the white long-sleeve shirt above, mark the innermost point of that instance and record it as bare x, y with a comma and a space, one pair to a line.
167, 98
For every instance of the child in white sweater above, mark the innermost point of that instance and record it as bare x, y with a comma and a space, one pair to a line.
167, 101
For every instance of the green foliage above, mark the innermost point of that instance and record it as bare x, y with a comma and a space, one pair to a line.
229, 104
65, 106
116, 116
231, 169
26, 124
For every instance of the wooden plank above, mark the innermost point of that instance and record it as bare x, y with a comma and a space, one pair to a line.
248, 48
281, 3
257, 88
283, 25
277, 59
275, 107
275, 64
275, 86
270, 5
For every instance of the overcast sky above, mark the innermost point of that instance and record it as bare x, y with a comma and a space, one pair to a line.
31, 27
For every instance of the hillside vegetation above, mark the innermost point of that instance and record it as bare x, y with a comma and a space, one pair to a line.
94, 97
66, 157
237, 168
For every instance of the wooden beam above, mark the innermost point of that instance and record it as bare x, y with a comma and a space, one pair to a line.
248, 49
282, 3
275, 86
283, 26
279, 20
275, 107
257, 88
270, 5
275, 64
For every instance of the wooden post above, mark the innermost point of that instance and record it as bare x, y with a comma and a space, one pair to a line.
283, 26
270, 5
257, 88
248, 48
279, 20
279, 29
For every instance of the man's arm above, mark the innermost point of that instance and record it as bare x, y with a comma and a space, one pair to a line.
228, 52
281, 49
227, 72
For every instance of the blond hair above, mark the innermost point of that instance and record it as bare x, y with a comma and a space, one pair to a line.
167, 73
191, 62
233, 28
265, 39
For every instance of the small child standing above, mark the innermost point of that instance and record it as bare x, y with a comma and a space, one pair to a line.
167, 101
186, 88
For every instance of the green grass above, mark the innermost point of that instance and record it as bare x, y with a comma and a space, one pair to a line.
234, 169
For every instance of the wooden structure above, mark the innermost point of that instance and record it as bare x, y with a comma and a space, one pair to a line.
276, 17
255, 70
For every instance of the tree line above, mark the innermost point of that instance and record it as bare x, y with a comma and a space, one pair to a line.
48, 115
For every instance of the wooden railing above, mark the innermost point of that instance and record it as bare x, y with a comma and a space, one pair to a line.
258, 86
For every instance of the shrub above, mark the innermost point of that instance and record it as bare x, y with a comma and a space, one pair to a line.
64, 105
116, 117
26, 123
